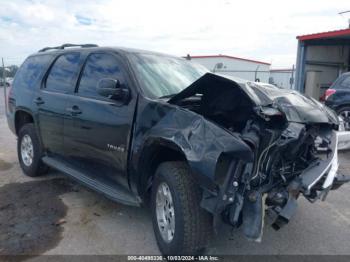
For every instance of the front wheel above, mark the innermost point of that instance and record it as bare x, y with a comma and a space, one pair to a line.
181, 226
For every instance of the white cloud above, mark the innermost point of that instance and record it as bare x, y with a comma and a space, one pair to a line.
264, 30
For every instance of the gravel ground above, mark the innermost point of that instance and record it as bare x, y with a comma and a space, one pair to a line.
53, 215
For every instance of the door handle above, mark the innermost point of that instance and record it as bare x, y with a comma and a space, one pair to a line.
74, 110
39, 101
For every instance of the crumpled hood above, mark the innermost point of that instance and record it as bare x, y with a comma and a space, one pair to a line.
295, 106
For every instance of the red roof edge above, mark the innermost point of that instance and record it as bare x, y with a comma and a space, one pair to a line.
231, 57
324, 34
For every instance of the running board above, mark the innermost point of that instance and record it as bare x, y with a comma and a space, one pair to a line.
109, 188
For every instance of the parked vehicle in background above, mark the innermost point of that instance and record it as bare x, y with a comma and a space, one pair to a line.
147, 128
4, 83
337, 97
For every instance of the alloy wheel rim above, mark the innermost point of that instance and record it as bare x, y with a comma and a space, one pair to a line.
27, 150
346, 118
165, 212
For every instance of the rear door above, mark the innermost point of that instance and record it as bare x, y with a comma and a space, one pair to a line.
98, 131
51, 100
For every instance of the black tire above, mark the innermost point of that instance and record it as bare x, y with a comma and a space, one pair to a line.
37, 167
193, 225
346, 121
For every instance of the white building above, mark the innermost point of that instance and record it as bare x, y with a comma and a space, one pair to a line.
283, 78
235, 66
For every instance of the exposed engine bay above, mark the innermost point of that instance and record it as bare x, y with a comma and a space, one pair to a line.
284, 136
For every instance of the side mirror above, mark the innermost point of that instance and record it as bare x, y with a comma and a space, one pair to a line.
113, 89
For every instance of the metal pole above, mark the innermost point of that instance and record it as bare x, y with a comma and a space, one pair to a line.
292, 78
4, 83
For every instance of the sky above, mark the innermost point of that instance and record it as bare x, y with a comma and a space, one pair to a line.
261, 30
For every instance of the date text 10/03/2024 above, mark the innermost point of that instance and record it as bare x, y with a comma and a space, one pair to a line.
173, 258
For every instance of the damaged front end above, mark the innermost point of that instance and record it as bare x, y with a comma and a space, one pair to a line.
286, 166
284, 131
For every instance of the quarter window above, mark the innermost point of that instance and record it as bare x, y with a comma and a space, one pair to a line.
64, 73
97, 67
346, 82
31, 70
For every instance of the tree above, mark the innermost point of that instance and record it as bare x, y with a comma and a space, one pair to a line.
10, 71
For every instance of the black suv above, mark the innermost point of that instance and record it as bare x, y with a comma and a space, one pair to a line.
200, 148
337, 97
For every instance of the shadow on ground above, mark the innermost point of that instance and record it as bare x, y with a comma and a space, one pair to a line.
31, 216
5, 165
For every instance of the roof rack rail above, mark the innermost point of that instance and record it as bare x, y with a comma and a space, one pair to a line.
67, 45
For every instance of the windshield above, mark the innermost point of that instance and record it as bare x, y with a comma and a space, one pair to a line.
164, 76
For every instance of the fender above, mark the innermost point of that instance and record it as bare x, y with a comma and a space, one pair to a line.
27, 110
35, 121
200, 141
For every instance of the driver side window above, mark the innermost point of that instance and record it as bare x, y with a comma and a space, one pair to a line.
97, 67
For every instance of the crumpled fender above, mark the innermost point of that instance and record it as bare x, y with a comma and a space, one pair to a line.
201, 141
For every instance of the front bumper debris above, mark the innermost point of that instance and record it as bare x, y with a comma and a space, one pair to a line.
314, 183
280, 204
321, 174
340, 180
343, 140
241, 202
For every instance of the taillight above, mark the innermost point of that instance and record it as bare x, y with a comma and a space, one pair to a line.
328, 93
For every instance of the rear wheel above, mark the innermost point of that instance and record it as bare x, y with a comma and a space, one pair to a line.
29, 151
344, 112
181, 226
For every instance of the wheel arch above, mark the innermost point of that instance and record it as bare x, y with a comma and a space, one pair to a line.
22, 117
155, 153
339, 107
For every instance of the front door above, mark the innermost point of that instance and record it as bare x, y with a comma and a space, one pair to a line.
98, 131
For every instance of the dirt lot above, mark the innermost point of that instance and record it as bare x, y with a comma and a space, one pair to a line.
53, 215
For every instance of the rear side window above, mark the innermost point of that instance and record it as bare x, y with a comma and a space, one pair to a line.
97, 67
31, 71
345, 83
63, 73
